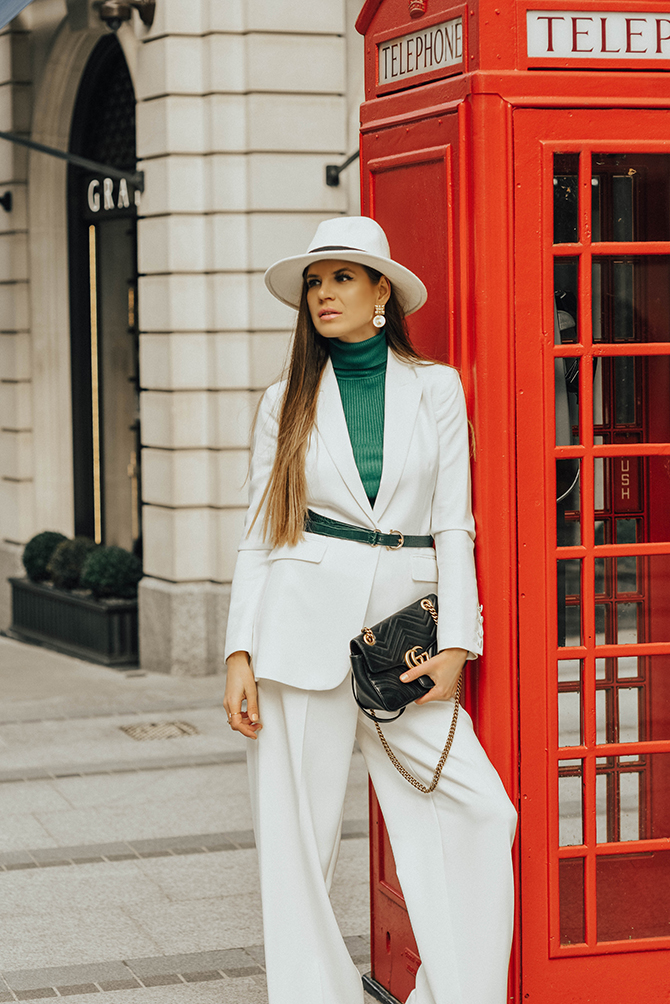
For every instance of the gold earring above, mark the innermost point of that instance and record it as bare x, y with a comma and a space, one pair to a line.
379, 320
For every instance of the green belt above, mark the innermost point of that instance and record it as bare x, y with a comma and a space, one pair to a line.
316, 523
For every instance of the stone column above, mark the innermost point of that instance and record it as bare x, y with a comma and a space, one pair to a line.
240, 106
16, 423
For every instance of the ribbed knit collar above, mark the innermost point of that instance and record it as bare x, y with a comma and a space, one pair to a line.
359, 359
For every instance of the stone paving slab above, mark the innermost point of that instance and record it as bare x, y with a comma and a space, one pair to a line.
51, 976
193, 962
39, 684
54, 772
153, 971
31, 745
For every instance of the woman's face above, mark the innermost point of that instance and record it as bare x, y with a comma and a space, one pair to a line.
341, 298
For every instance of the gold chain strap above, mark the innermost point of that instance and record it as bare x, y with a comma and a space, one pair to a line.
427, 605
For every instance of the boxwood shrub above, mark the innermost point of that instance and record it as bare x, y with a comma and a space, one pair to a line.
37, 554
112, 571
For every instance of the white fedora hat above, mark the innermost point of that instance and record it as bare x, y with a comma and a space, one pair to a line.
347, 238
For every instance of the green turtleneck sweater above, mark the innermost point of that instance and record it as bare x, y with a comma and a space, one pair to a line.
360, 368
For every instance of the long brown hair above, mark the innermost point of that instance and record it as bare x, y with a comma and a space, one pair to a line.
286, 492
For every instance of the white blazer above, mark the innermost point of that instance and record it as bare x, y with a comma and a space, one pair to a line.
294, 609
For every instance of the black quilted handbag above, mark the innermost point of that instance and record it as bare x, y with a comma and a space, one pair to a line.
381, 654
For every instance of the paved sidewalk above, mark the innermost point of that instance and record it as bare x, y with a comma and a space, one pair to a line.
127, 865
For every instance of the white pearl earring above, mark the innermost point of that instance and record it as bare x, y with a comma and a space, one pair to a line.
379, 320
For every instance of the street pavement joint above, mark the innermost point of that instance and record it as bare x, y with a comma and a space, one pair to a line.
160, 970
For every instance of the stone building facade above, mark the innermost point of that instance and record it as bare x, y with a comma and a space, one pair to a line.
239, 107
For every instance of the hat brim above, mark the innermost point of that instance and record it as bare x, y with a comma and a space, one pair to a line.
284, 278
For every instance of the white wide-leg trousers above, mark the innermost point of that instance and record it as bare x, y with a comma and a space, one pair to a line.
452, 847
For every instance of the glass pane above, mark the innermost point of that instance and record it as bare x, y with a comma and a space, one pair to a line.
596, 300
627, 531
571, 893
619, 386
624, 390
626, 575
632, 797
628, 713
569, 670
631, 298
633, 893
570, 803
566, 396
628, 623
621, 291
622, 207
566, 198
569, 602
602, 717
633, 196
568, 503
629, 806
566, 279
633, 599
627, 667
599, 486
601, 808
569, 718
595, 208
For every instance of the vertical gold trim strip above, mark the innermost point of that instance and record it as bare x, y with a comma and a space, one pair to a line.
95, 391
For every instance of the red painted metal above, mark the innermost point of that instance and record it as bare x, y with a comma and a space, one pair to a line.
459, 170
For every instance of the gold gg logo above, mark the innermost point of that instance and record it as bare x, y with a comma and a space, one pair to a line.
415, 657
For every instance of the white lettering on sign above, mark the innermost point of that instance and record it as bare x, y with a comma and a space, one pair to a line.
423, 51
94, 196
597, 34
124, 201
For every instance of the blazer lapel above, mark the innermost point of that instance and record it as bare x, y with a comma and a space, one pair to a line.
332, 428
403, 395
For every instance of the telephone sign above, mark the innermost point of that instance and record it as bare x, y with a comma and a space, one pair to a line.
427, 51
598, 34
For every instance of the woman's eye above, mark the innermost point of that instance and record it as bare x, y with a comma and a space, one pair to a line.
312, 282
343, 277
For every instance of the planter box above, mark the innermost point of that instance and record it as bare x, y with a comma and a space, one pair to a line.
103, 631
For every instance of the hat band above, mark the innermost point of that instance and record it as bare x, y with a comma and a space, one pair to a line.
336, 247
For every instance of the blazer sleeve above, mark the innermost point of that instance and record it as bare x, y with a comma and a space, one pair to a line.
252, 567
452, 523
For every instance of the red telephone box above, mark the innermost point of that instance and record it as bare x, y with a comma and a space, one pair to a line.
518, 155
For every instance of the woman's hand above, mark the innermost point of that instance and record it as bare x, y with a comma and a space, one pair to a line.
444, 669
241, 686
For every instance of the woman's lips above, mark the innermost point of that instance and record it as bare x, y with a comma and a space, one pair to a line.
326, 315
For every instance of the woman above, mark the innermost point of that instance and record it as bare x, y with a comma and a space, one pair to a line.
368, 433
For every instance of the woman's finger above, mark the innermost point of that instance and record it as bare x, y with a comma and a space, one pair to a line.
252, 709
416, 672
240, 722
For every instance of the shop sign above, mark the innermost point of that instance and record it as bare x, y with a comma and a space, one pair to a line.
105, 196
598, 34
428, 51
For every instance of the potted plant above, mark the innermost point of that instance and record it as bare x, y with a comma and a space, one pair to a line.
79, 598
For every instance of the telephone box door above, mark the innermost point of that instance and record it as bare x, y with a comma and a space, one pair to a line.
592, 276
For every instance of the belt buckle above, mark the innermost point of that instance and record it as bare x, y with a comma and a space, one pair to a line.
401, 541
